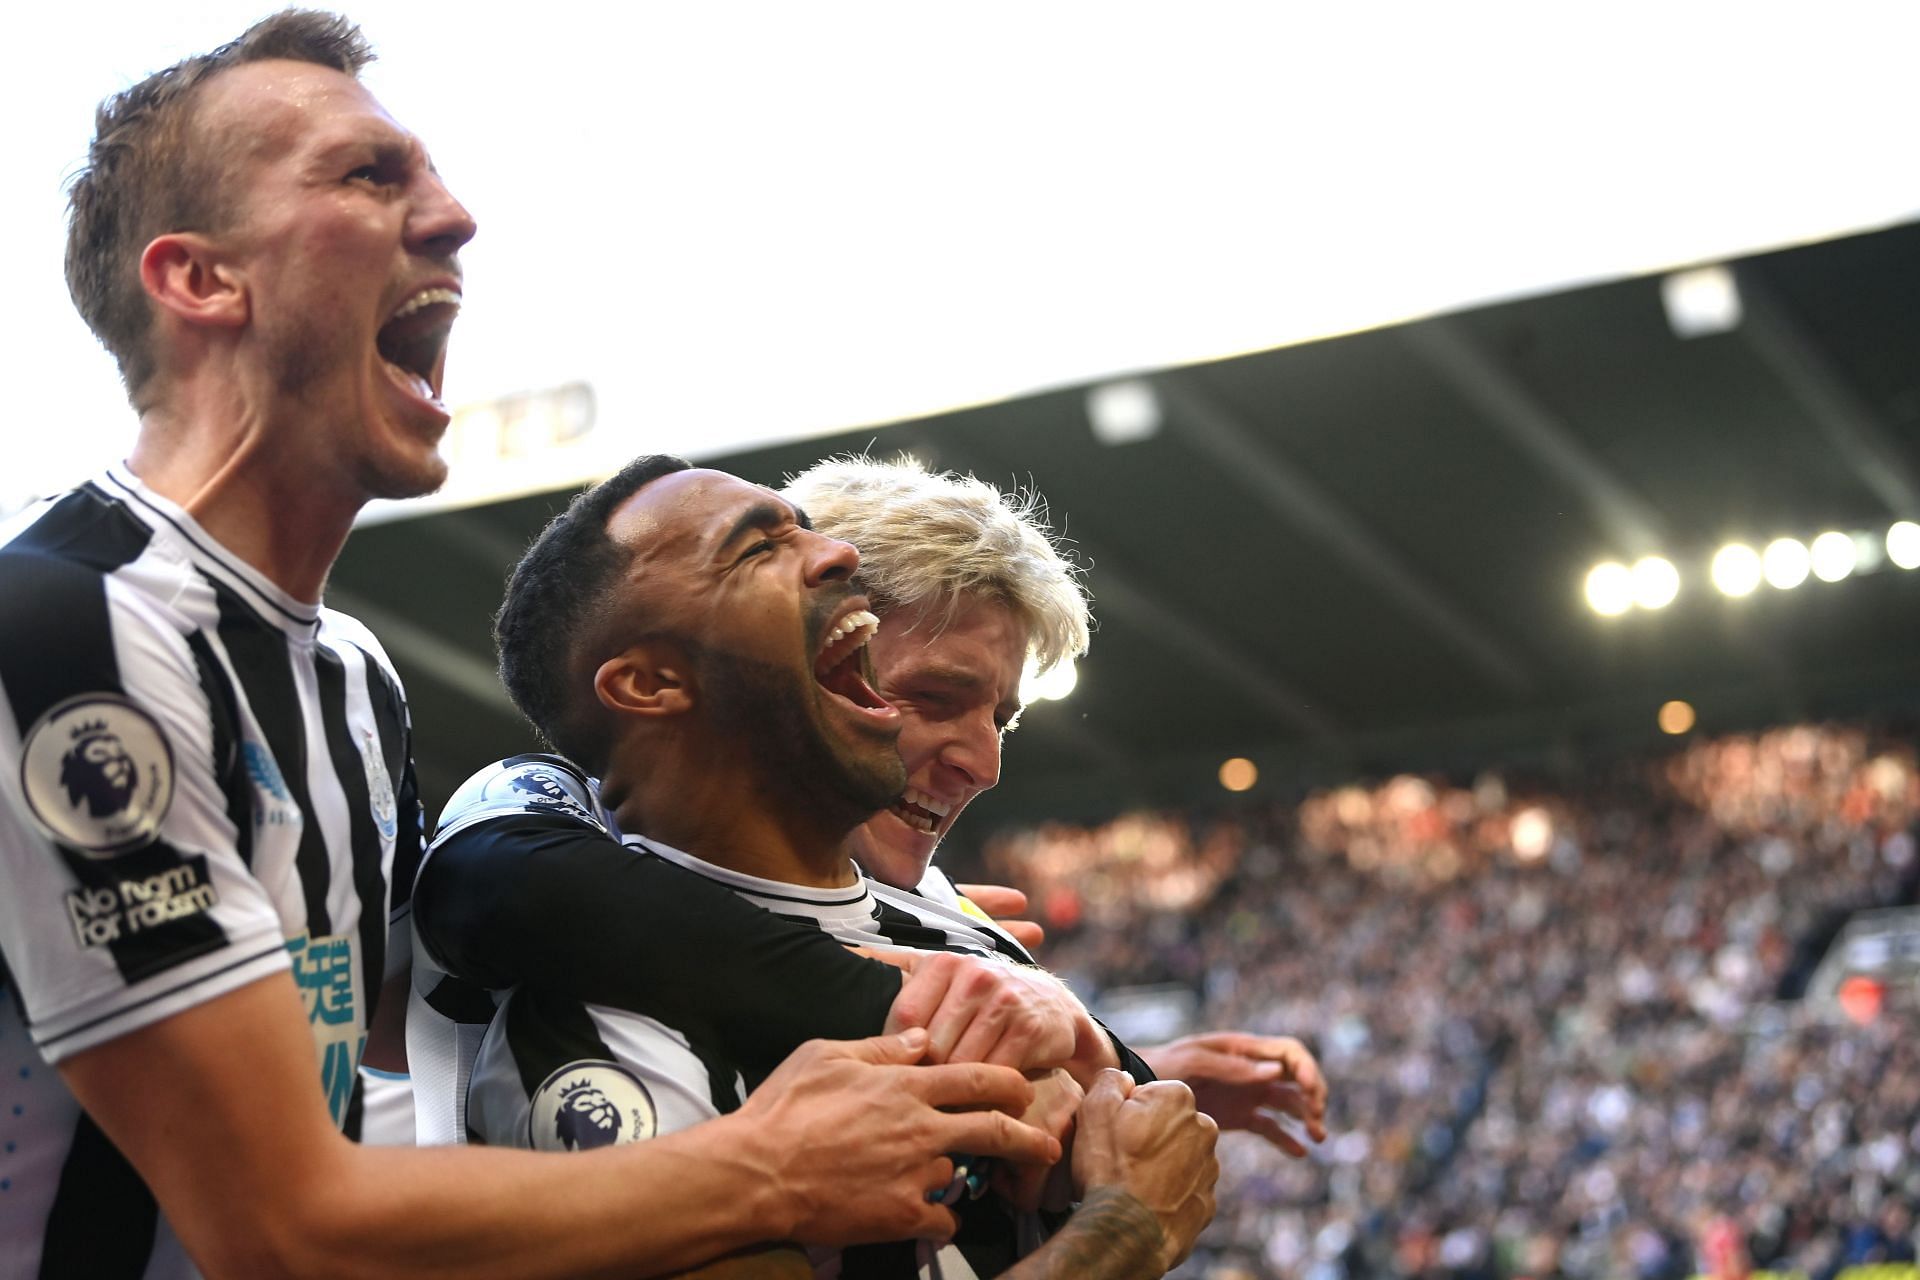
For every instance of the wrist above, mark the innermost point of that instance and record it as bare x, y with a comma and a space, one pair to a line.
760, 1195
1134, 1243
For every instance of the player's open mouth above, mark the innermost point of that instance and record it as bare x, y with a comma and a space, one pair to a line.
920, 811
844, 667
413, 341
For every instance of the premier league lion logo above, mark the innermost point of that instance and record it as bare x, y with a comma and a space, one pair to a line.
540, 786
98, 769
543, 790
587, 1117
588, 1104
98, 775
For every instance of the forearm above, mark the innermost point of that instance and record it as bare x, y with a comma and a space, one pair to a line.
1111, 1236
640, 1210
246, 1163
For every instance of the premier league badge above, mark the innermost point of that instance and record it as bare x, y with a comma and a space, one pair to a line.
98, 775
590, 1104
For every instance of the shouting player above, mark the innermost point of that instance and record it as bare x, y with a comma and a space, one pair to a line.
206, 797
688, 639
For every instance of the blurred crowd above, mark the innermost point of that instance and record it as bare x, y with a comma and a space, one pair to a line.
1552, 1014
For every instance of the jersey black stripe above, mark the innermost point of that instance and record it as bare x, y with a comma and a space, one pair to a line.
152, 874
461, 1001
905, 930
103, 1217
888, 1261
263, 660
228, 765
42, 666
369, 882
705, 1044
356, 1109
87, 527
546, 1032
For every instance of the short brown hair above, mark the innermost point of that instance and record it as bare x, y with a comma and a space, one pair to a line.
147, 175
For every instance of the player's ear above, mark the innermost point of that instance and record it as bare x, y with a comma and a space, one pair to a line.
187, 276
648, 679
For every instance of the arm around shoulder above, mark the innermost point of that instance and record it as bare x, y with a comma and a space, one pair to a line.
258, 1183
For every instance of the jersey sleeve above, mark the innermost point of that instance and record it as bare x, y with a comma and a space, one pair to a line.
539, 891
127, 896
553, 1074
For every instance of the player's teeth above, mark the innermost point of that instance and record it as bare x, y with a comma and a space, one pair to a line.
918, 821
426, 298
860, 620
927, 802
419, 384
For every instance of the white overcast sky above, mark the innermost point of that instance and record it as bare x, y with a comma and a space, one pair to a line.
747, 221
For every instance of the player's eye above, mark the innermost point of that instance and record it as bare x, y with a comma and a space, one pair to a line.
379, 173
756, 549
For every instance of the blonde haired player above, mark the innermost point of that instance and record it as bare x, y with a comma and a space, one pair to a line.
971, 586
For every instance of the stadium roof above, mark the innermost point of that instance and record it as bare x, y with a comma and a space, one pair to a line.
1367, 553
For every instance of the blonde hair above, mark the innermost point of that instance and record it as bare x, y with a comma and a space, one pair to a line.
930, 539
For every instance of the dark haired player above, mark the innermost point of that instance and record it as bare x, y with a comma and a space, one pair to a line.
206, 797
688, 639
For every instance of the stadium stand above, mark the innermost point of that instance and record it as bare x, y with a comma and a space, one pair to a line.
1561, 1020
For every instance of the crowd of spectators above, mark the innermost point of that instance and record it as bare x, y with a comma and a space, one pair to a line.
1551, 1013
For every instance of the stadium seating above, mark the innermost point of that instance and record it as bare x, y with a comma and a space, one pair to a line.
1552, 1011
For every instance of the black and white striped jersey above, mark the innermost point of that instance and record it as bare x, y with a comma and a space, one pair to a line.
652, 989
507, 805
527, 882
555, 1073
202, 782
538, 1039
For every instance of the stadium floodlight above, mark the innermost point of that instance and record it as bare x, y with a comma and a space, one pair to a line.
1610, 589
1869, 552
1700, 302
1903, 544
1655, 582
1786, 563
1676, 717
1736, 569
1832, 555
1123, 412
1051, 687
1239, 774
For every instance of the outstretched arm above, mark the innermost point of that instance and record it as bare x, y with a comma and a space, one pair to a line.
249, 1168
1241, 1079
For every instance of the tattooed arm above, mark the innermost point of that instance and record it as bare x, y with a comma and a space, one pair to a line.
1143, 1158
1111, 1236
